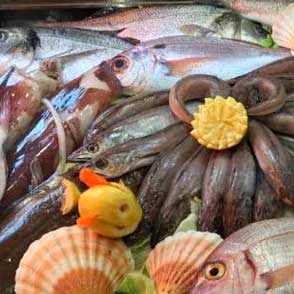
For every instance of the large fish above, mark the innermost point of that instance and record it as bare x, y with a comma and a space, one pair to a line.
258, 259
159, 64
65, 53
157, 22
78, 103
264, 11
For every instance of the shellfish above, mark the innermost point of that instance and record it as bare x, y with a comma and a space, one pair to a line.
174, 262
73, 260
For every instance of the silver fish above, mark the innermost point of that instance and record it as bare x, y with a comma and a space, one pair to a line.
165, 21
159, 64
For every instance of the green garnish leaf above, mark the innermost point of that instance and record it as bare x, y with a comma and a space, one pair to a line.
136, 283
268, 42
140, 252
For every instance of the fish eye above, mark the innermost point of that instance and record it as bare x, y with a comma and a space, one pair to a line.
101, 163
3, 36
92, 148
119, 64
260, 30
214, 271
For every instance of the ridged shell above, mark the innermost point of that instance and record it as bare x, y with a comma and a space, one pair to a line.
174, 262
73, 260
283, 28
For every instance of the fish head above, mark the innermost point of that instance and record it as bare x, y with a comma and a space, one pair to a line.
17, 46
138, 69
85, 152
227, 25
252, 31
228, 270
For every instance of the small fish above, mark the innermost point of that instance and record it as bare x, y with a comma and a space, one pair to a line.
143, 124
159, 64
64, 53
150, 23
257, 259
263, 11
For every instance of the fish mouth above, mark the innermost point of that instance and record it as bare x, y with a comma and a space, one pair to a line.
80, 155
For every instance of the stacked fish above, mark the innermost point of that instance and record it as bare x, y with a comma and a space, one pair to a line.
83, 67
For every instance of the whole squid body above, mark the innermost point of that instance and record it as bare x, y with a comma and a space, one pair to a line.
35, 157
258, 259
184, 187
274, 159
157, 65
139, 125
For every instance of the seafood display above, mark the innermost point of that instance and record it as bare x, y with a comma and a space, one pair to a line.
148, 150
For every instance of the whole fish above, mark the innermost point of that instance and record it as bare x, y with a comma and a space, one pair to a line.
150, 23
257, 259
159, 64
140, 125
65, 53
126, 108
184, 187
264, 11
137, 153
77, 103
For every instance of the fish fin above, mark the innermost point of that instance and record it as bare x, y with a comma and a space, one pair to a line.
279, 277
3, 172
91, 179
5, 114
36, 174
283, 28
195, 30
115, 33
86, 221
4, 78
181, 67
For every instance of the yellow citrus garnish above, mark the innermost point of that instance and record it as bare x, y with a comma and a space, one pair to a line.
110, 210
220, 123
70, 197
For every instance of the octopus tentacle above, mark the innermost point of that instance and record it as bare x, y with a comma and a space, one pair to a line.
274, 160
261, 96
195, 87
238, 198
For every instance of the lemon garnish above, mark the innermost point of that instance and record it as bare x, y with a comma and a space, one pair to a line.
220, 123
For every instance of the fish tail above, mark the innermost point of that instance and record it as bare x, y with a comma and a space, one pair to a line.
4, 78
5, 113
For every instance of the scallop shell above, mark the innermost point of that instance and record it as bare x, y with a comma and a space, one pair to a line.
283, 28
174, 262
73, 260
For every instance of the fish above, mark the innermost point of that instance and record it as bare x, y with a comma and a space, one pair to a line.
157, 65
27, 220
124, 109
238, 198
266, 202
156, 184
186, 185
263, 11
77, 104
274, 160
149, 23
139, 125
214, 187
136, 153
256, 259
62, 53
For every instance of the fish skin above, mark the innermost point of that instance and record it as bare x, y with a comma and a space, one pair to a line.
124, 109
156, 184
140, 125
150, 23
266, 203
214, 188
238, 198
263, 11
64, 53
137, 153
27, 220
185, 185
157, 65
274, 160
249, 255
78, 104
